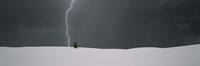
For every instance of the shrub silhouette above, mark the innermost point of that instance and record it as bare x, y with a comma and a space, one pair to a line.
75, 45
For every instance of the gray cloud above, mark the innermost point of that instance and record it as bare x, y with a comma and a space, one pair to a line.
131, 23
100, 23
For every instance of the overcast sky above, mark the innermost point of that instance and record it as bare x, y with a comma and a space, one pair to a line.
100, 23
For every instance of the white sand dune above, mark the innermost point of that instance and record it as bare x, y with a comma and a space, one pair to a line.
66, 56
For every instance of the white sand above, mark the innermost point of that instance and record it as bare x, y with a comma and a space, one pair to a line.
65, 56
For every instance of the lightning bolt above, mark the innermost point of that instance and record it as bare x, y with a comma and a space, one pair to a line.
67, 30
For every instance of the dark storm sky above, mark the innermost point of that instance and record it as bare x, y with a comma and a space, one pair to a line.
100, 23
